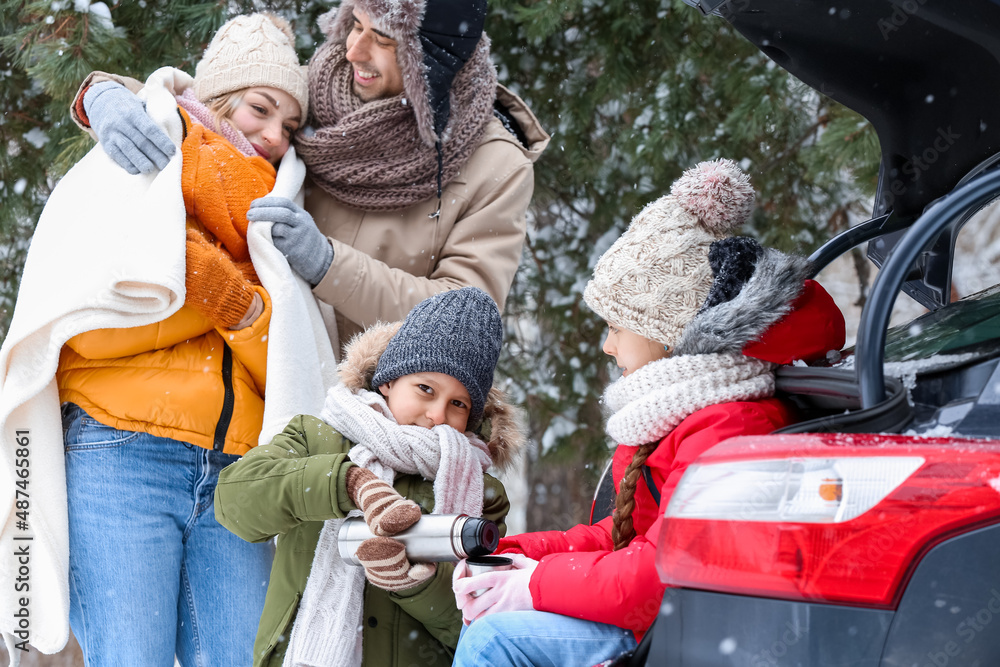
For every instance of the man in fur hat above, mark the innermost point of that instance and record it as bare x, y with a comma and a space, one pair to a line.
420, 164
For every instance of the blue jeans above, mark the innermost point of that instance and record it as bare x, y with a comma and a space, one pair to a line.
539, 639
152, 573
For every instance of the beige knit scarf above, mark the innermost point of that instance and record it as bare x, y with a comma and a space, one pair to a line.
327, 625
650, 402
370, 155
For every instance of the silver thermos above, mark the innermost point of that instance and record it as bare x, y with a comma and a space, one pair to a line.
434, 538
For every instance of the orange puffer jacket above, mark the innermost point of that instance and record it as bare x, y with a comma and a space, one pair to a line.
185, 378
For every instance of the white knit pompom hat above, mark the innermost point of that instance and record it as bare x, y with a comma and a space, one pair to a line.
656, 276
249, 51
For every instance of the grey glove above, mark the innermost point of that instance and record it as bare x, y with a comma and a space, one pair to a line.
128, 135
295, 234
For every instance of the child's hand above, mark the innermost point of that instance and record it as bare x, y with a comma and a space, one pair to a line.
387, 566
507, 590
386, 512
461, 572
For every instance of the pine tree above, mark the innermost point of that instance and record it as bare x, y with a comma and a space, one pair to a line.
632, 91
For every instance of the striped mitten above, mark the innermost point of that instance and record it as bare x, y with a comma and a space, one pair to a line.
387, 566
386, 512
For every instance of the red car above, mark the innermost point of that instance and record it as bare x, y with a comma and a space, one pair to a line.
868, 535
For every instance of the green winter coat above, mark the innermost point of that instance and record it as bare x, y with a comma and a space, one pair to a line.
290, 486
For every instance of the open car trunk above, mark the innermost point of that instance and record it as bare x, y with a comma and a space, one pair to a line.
925, 73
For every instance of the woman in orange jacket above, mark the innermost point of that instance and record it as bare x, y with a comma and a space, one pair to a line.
152, 414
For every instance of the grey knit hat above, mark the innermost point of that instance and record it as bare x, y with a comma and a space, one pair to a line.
457, 333
248, 51
657, 275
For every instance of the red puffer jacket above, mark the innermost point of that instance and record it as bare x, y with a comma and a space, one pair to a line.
579, 573
581, 576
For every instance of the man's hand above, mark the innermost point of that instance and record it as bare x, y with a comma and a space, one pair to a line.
295, 234
128, 135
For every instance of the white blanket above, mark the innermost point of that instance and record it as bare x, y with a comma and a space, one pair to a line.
301, 361
112, 262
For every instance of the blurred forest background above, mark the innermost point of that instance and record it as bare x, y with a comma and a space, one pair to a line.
632, 91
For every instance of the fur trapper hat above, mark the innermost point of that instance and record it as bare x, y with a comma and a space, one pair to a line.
502, 421
676, 276
435, 38
249, 51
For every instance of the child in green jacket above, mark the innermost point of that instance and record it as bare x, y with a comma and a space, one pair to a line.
412, 400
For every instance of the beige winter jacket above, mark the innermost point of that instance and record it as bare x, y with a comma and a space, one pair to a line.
385, 263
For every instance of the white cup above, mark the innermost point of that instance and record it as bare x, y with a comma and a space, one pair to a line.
484, 564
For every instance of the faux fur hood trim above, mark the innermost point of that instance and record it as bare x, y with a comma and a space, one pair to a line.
777, 281
503, 421
402, 20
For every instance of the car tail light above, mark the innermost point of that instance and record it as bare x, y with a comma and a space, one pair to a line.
823, 517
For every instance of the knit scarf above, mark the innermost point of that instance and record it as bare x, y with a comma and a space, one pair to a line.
218, 190
370, 155
649, 403
326, 630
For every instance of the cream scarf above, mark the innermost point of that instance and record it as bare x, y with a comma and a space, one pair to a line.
327, 627
652, 401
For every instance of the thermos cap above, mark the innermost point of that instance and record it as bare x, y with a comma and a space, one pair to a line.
480, 537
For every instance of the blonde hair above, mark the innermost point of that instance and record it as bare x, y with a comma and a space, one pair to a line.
223, 107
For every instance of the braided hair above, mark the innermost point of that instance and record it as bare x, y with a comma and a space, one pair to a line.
623, 531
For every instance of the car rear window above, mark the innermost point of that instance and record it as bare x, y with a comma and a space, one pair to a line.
969, 325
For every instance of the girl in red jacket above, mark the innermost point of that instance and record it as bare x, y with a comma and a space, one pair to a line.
697, 321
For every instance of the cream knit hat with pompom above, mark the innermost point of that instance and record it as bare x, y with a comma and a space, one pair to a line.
249, 51
656, 276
